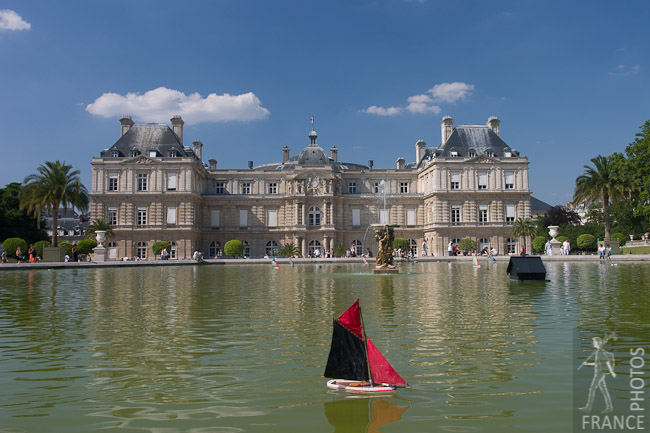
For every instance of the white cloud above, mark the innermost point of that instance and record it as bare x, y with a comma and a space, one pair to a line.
621, 70
422, 104
159, 105
381, 111
451, 92
10, 20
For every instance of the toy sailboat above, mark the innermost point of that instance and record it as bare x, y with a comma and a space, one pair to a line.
354, 363
477, 264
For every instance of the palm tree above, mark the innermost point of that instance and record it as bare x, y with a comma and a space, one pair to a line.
524, 227
54, 185
97, 225
289, 249
601, 183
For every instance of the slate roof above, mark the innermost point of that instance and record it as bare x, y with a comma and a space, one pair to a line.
477, 138
538, 206
148, 137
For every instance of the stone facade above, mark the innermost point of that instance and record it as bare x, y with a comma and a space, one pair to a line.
151, 187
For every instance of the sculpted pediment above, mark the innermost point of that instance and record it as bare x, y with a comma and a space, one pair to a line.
483, 159
140, 159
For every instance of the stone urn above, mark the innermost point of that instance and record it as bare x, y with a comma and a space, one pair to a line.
101, 237
552, 230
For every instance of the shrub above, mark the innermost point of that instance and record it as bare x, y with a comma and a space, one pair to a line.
340, 250
233, 248
38, 246
561, 239
86, 246
538, 244
467, 244
11, 244
620, 237
401, 243
67, 246
159, 246
289, 249
586, 242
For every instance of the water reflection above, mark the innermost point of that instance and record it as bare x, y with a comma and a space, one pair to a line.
363, 414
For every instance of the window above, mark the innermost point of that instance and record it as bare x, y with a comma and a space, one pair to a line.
483, 214
356, 217
111, 245
471, 153
489, 153
383, 216
133, 153
357, 247
115, 154
171, 181
511, 245
273, 188
410, 217
215, 249
352, 188
272, 248
112, 182
220, 188
454, 180
510, 180
272, 217
414, 247
314, 216
141, 216
141, 250
243, 218
483, 243
173, 154
153, 153
313, 246
453, 154
171, 215
377, 188
246, 188
455, 214
215, 218
510, 213
403, 187
111, 216
142, 181
507, 154
482, 180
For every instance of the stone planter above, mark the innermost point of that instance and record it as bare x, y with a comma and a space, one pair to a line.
53, 254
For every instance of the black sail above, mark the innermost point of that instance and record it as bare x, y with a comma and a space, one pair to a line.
347, 358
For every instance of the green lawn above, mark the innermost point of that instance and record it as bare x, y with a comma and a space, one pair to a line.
635, 250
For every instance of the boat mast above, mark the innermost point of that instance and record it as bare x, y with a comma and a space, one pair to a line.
365, 347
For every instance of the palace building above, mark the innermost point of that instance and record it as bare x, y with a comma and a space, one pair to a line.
152, 187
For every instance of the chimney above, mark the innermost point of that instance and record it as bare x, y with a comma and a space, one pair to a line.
213, 163
400, 163
335, 152
285, 154
371, 163
250, 164
197, 147
493, 123
446, 128
177, 127
126, 123
420, 146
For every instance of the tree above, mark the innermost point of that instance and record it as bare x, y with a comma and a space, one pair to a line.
637, 165
586, 242
15, 223
401, 243
467, 244
539, 243
55, 185
157, 247
524, 227
86, 246
11, 245
289, 250
234, 248
601, 183
340, 250
558, 215
99, 225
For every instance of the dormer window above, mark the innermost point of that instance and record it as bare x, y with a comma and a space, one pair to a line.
115, 154
173, 154
489, 153
153, 153
471, 154
453, 154
507, 154
133, 153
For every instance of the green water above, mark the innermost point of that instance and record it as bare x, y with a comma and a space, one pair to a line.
242, 348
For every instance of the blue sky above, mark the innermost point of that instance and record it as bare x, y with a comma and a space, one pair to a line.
569, 80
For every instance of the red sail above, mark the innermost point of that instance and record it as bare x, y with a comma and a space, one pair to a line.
380, 368
351, 319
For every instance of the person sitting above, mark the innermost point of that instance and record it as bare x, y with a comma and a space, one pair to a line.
198, 256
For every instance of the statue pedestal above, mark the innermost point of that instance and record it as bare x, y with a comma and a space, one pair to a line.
385, 271
556, 247
100, 254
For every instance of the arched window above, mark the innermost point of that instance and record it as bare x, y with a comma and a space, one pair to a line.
511, 245
172, 253
247, 249
414, 247
272, 248
215, 249
357, 247
141, 250
313, 247
314, 216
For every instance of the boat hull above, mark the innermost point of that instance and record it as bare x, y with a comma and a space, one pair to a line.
354, 387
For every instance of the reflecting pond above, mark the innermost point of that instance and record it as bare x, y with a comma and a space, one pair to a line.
218, 348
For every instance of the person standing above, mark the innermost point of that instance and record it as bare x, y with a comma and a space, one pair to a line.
75, 254
450, 248
424, 248
548, 248
31, 252
566, 246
